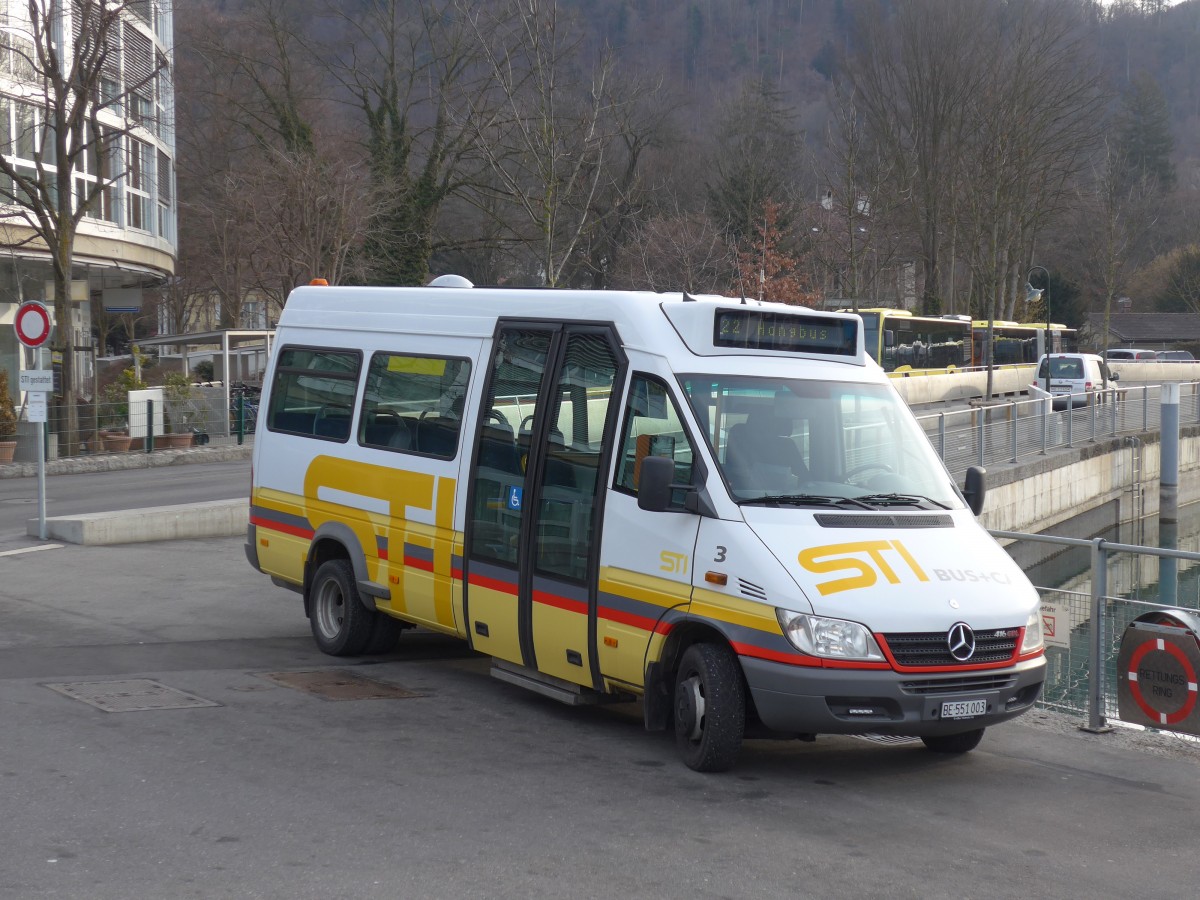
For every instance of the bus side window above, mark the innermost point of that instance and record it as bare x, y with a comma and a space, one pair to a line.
413, 404
313, 392
652, 427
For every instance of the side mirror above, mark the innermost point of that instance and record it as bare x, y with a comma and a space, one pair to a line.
654, 483
975, 488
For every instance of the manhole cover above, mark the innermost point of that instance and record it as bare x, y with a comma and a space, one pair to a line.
131, 695
338, 684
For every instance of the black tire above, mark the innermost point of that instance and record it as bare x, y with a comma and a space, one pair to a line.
385, 633
340, 624
963, 742
710, 708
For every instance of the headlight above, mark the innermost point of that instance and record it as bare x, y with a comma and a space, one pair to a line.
1033, 633
835, 638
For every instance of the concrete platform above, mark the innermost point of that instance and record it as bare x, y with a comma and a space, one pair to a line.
216, 518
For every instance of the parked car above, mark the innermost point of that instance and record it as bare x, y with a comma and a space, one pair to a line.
1175, 356
1130, 354
1076, 379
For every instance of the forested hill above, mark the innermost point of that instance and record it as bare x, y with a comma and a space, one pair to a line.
705, 49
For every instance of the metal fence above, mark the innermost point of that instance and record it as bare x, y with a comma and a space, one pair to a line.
1088, 620
145, 421
1008, 432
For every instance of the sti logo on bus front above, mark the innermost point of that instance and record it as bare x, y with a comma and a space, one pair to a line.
866, 559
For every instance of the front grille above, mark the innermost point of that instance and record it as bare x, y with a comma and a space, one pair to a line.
922, 649
928, 686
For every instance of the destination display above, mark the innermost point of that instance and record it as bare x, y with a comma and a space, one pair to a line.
757, 329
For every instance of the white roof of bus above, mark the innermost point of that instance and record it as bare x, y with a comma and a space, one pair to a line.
472, 312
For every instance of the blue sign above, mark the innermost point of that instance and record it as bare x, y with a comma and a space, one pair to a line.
514, 496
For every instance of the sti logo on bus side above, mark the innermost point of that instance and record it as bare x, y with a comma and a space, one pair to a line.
866, 559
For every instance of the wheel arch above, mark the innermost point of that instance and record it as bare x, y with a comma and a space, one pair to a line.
335, 540
660, 674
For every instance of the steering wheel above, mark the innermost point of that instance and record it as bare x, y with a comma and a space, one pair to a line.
867, 467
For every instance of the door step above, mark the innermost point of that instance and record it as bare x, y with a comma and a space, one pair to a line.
547, 685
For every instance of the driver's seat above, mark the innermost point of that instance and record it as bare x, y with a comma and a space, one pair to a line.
760, 456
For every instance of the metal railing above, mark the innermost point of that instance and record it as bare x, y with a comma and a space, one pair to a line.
1081, 658
140, 424
990, 434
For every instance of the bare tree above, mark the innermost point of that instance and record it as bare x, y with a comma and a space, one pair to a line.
409, 68
918, 64
1112, 215
548, 133
1034, 117
858, 235
72, 124
677, 250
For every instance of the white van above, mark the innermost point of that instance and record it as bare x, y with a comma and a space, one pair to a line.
1076, 379
719, 507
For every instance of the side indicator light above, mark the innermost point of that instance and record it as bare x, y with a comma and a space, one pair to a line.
264, 542
719, 578
610, 642
394, 579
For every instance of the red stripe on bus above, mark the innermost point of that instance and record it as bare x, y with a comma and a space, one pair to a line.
412, 562
625, 618
271, 525
495, 584
559, 602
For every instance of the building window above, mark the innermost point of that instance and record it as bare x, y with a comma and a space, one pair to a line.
138, 185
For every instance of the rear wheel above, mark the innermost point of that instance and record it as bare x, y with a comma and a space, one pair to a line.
710, 708
963, 742
341, 625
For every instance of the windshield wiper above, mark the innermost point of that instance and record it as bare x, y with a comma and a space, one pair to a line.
900, 500
807, 500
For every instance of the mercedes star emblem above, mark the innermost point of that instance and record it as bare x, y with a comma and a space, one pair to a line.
961, 641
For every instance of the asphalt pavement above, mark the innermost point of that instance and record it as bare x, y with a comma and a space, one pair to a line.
170, 731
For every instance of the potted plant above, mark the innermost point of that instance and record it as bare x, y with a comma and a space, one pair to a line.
8, 421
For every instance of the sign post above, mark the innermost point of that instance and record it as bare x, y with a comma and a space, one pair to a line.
33, 327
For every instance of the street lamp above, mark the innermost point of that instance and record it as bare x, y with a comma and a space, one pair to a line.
1032, 293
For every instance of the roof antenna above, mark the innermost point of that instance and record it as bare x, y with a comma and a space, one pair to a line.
688, 298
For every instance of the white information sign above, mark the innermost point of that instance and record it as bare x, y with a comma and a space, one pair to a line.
1056, 625
35, 406
37, 380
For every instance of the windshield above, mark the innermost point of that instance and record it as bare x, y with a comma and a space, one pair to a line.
817, 443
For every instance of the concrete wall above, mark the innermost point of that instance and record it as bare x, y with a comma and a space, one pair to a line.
1037, 495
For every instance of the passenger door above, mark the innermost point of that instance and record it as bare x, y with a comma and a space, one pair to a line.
536, 482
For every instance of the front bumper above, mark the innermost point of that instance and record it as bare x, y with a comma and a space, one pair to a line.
800, 700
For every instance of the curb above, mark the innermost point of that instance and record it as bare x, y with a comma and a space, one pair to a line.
215, 518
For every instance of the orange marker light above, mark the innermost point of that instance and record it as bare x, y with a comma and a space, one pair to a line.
716, 578
320, 281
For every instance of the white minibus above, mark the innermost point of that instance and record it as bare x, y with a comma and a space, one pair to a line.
715, 507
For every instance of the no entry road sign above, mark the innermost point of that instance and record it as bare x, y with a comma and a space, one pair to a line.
32, 323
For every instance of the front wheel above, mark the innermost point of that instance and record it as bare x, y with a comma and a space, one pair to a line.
963, 742
710, 708
341, 625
